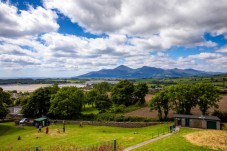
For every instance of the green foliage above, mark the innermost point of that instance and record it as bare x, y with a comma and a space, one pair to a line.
122, 93
5, 99
90, 97
126, 93
3, 112
208, 96
102, 87
103, 102
4, 102
140, 90
38, 103
221, 115
120, 118
67, 102
161, 102
183, 97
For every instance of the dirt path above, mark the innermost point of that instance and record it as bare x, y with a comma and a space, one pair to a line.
149, 141
146, 142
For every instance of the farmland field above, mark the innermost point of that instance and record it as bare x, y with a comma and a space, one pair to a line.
145, 111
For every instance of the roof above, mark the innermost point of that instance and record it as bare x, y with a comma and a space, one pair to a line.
40, 119
202, 117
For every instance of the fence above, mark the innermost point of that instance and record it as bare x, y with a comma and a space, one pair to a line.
115, 124
104, 146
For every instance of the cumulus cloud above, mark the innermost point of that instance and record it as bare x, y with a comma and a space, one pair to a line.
139, 33
222, 49
144, 17
17, 23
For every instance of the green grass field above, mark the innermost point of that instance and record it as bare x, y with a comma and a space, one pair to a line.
176, 142
75, 135
88, 136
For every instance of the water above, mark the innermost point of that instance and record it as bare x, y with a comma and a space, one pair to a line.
32, 87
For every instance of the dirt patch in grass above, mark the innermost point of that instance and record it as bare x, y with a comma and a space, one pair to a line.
214, 139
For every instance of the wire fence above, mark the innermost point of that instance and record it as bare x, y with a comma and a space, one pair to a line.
112, 145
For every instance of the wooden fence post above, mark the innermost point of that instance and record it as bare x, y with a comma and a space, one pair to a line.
115, 145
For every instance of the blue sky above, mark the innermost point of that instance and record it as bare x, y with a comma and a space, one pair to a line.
52, 38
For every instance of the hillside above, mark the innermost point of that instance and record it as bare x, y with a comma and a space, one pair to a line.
144, 72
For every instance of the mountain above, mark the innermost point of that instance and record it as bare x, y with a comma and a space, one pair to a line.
144, 72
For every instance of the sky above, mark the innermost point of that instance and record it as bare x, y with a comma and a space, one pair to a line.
55, 38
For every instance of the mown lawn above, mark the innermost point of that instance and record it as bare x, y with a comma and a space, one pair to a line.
75, 135
175, 142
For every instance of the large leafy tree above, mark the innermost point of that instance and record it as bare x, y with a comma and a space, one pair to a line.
103, 102
5, 98
102, 87
140, 90
4, 101
122, 93
38, 103
208, 96
90, 97
162, 103
67, 102
184, 97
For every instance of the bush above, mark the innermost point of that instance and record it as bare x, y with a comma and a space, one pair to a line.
121, 118
221, 115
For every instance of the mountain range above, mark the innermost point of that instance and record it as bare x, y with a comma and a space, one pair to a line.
144, 72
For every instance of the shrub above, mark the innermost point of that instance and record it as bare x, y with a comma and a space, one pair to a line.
221, 115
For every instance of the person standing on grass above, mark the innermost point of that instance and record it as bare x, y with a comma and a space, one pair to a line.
40, 127
63, 126
47, 130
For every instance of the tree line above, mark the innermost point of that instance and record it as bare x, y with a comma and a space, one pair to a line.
181, 98
68, 102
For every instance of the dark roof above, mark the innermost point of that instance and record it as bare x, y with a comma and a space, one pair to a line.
202, 117
40, 119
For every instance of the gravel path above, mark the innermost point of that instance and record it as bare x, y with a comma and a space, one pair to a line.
148, 141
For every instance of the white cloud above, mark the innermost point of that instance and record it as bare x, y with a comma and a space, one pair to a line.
143, 17
134, 29
205, 56
17, 23
222, 49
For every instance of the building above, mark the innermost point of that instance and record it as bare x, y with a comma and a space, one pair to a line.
43, 121
197, 121
14, 112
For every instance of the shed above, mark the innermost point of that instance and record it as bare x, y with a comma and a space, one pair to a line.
197, 121
43, 121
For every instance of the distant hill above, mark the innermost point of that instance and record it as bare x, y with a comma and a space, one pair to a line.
144, 72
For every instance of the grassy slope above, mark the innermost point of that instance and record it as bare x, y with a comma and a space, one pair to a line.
86, 136
176, 142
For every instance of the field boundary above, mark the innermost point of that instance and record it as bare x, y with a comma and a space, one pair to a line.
114, 124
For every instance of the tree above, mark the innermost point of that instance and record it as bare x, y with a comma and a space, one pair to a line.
161, 102
183, 97
4, 99
38, 103
208, 96
140, 90
102, 87
67, 102
122, 93
103, 102
90, 97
